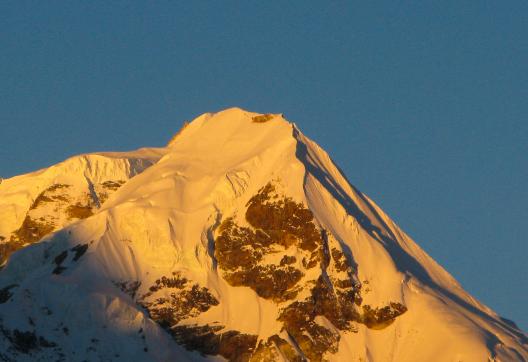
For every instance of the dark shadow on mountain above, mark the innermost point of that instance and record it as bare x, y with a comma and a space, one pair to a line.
510, 322
211, 239
386, 237
403, 260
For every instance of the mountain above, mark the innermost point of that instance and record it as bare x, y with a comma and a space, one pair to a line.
38, 203
240, 240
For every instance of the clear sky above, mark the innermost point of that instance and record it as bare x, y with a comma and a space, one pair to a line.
425, 107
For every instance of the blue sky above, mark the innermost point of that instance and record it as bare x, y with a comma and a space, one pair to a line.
423, 105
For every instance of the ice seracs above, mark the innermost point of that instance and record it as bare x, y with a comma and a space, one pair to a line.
240, 240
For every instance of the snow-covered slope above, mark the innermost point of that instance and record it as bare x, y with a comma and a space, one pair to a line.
40, 202
240, 240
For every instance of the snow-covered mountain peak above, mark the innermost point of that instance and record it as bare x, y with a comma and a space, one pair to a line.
233, 124
240, 240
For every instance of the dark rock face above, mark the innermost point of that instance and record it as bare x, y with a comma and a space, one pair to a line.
233, 345
78, 251
172, 299
129, 288
379, 318
33, 228
24, 342
273, 348
79, 211
278, 224
183, 300
112, 185
6, 294
285, 220
30, 232
263, 118
59, 259
106, 188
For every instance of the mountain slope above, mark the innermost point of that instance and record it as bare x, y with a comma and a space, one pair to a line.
241, 241
38, 203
